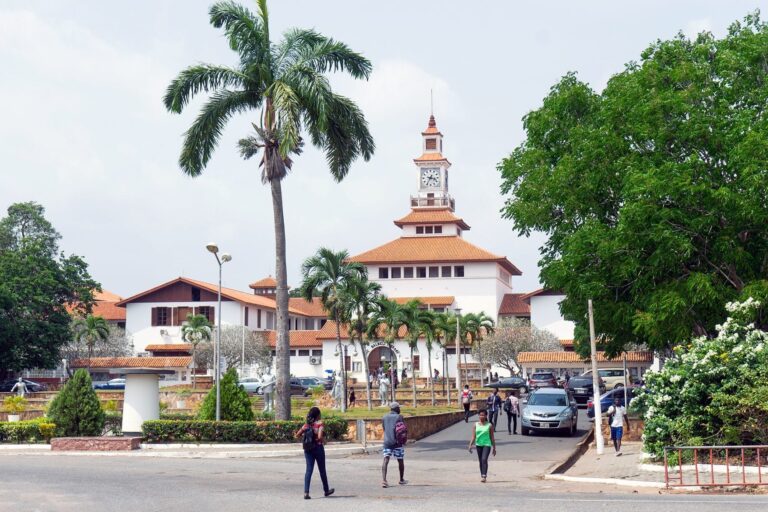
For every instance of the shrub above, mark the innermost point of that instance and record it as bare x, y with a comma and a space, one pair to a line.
15, 404
76, 410
27, 431
166, 431
235, 404
109, 406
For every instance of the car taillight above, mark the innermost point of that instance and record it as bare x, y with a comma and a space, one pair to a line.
589, 404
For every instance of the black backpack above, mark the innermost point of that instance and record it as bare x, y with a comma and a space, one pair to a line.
308, 441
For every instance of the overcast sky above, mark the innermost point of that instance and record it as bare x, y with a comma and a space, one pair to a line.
83, 130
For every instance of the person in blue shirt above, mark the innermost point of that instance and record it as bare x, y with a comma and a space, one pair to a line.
493, 405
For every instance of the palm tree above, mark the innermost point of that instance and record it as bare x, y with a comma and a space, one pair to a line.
389, 317
90, 330
328, 275
442, 333
429, 330
360, 299
286, 85
479, 324
417, 321
195, 329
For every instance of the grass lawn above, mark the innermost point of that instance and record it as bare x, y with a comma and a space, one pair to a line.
361, 412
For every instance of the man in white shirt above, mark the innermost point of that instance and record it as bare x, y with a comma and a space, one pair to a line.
617, 415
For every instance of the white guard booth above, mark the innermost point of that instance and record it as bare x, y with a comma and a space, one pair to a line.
141, 401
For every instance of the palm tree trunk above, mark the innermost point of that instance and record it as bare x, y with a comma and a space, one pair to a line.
413, 377
431, 376
446, 385
194, 365
367, 373
90, 351
342, 366
283, 345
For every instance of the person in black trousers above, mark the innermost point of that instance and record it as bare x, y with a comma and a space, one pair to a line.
512, 408
316, 453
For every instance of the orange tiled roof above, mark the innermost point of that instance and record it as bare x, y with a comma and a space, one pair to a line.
433, 249
297, 338
314, 308
431, 157
436, 216
107, 296
431, 127
566, 343
429, 301
134, 362
169, 347
541, 291
267, 282
108, 311
573, 357
328, 331
513, 304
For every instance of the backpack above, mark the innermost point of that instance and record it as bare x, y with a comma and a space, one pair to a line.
308, 441
401, 433
465, 397
507, 405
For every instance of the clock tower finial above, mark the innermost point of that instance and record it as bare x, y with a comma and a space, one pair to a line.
433, 171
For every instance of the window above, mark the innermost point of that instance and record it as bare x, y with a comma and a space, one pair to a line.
303, 352
431, 144
180, 315
419, 230
434, 271
458, 271
416, 363
317, 352
207, 312
195, 294
309, 324
383, 273
245, 316
357, 366
347, 363
447, 271
270, 320
292, 352
396, 271
438, 230
322, 322
161, 316
421, 272
408, 272
258, 319
458, 231
438, 310
429, 230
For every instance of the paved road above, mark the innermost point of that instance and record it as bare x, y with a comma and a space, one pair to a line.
443, 477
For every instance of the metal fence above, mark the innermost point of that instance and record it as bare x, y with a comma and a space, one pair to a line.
713, 466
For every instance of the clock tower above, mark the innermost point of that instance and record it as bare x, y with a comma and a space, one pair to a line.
433, 171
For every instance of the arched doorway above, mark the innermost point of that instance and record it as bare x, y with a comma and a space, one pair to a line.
379, 356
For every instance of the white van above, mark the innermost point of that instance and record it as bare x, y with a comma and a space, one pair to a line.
613, 377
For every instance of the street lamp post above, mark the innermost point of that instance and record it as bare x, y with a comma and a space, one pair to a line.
225, 257
458, 350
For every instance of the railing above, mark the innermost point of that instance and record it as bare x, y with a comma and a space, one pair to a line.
734, 465
437, 202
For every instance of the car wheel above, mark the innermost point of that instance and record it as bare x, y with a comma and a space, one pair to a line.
618, 386
524, 431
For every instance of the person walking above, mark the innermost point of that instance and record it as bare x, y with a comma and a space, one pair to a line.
512, 408
617, 416
485, 441
392, 446
493, 404
351, 398
313, 440
466, 401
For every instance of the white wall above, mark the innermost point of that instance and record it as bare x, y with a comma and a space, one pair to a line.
545, 314
448, 230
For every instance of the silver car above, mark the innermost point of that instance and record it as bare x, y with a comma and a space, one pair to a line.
549, 409
251, 384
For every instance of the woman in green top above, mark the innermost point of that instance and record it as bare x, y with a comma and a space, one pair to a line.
486, 443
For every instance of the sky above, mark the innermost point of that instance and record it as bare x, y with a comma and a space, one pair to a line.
83, 130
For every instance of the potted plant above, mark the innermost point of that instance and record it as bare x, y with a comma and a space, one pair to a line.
14, 406
181, 398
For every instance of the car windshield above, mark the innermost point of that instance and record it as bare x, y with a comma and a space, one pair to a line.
548, 399
542, 376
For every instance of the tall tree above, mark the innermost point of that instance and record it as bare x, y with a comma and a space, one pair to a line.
387, 318
417, 319
512, 336
478, 325
441, 330
361, 298
117, 344
196, 329
286, 85
233, 340
89, 330
328, 276
652, 192
38, 288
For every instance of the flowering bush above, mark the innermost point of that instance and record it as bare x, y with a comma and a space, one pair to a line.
714, 391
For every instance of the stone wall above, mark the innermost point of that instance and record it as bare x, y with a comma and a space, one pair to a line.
636, 427
419, 427
95, 444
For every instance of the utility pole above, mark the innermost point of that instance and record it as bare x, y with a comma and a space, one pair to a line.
458, 352
600, 444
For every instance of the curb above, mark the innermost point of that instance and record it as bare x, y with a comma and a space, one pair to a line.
581, 449
25, 448
612, 481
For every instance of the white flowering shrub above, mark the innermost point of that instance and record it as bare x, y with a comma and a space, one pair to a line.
714, 391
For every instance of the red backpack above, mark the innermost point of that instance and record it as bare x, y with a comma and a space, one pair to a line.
401, 433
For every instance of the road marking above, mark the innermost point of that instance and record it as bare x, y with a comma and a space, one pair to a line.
645, 500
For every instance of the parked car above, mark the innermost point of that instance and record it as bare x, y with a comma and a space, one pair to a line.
542, 380
297, 388
581, 388
32, 387
509, 383
312, 382
112, 384
251, 384
607, 398
549, 409
613, 377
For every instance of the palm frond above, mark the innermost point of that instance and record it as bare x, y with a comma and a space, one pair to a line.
290, 48
203, 77
288, 113
330, 55
345, 138
203, 136
247, 34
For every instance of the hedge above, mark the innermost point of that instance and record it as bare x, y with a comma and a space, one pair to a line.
32, 431
113, 421
169, 431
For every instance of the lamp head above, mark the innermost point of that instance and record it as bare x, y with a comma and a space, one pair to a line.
212, 247
225, 257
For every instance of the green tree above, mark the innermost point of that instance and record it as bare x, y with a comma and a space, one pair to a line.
328, 275
196, 328
89, 330
38, 287
417, 320
286, 84
76, 410
478, 325
360, 298
652, 192
385, 322
441, 334
235, 404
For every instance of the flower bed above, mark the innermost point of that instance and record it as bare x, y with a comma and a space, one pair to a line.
198, 431
34, 431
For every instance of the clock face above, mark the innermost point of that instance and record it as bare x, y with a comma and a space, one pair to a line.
430, 178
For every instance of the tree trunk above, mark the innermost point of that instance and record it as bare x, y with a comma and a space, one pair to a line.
482, 369
446, 384
431, 376
342, 365
392, 374
90, 352
283, 345
367, 373
194, 365
413, 378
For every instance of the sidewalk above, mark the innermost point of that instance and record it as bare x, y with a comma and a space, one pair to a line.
197, 451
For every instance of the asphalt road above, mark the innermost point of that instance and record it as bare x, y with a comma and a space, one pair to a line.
442, 476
